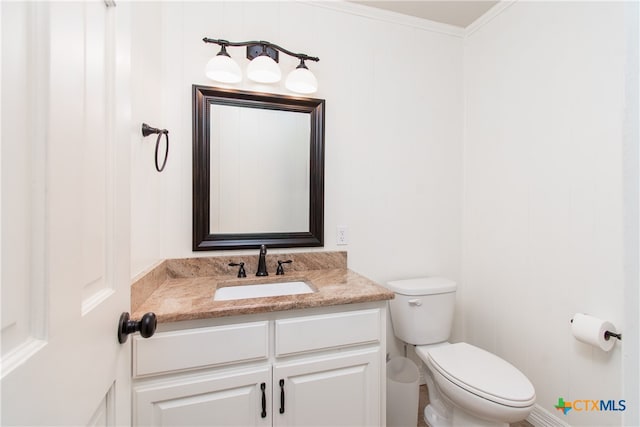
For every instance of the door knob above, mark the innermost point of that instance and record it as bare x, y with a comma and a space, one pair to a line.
146, 326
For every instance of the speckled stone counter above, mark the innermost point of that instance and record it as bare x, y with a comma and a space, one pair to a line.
183, 289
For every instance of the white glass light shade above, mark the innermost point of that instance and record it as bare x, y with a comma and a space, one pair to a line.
223, 68
301, 80
263, 69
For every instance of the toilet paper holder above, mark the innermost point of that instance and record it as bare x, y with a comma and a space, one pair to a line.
609, 334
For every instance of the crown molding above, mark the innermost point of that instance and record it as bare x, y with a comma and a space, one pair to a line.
387, 16
488, 16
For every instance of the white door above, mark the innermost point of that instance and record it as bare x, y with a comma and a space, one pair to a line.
336, 390
65, 221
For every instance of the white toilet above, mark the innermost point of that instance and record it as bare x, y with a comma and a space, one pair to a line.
467, 386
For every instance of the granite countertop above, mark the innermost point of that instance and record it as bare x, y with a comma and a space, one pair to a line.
189, 296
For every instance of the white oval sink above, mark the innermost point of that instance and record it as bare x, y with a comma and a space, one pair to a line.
261, 290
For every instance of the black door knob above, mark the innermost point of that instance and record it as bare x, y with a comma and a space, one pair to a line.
146, 326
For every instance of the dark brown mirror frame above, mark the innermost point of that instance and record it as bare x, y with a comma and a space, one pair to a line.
203, 240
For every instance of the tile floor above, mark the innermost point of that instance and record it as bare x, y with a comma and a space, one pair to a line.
424, 400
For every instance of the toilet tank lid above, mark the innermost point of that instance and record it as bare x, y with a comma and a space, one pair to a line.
422, 286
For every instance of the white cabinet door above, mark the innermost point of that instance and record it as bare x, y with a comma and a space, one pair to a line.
65, 216
334, 390
215, 399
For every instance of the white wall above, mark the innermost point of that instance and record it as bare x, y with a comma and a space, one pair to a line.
631, 168
543, 194
148, 187
393, 129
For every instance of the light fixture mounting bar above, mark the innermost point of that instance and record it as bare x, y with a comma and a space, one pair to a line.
258, 45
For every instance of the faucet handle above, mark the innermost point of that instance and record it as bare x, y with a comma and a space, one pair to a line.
241, 272
280, 269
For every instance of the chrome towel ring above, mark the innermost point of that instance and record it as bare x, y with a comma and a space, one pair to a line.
148, 130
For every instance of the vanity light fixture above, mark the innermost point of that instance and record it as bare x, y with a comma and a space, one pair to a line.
223, 68
301, 80
263, 67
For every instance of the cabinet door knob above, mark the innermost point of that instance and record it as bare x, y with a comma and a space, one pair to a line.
282, 396
146, 326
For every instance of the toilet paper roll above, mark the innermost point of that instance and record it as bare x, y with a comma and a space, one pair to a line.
591, 330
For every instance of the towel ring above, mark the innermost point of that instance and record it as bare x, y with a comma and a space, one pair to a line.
148, 130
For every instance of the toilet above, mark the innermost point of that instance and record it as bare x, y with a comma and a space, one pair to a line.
467, 386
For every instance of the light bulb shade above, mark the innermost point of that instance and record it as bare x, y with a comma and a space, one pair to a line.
222, 68
301, 80
263, 69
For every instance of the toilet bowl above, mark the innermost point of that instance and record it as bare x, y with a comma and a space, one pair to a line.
479, 383
467, 386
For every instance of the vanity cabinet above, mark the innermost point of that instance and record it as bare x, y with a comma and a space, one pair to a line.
322, 367
206, 399
342, 390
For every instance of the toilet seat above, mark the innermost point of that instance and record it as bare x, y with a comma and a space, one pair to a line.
481, 373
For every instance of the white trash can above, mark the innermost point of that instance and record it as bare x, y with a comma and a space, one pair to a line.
403, 387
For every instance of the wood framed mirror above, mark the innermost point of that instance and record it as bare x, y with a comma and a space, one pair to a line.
258, 170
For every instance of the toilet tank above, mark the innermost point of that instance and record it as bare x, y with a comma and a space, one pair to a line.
422, 310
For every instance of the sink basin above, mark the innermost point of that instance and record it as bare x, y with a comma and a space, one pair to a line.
261, 290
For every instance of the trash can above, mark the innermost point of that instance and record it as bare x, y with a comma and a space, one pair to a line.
403, 387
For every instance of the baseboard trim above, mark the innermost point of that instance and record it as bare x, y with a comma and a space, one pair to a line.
540, 417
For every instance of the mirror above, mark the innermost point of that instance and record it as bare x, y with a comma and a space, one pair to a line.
258, 170
265, 164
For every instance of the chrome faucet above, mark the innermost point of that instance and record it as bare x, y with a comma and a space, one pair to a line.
262, 263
